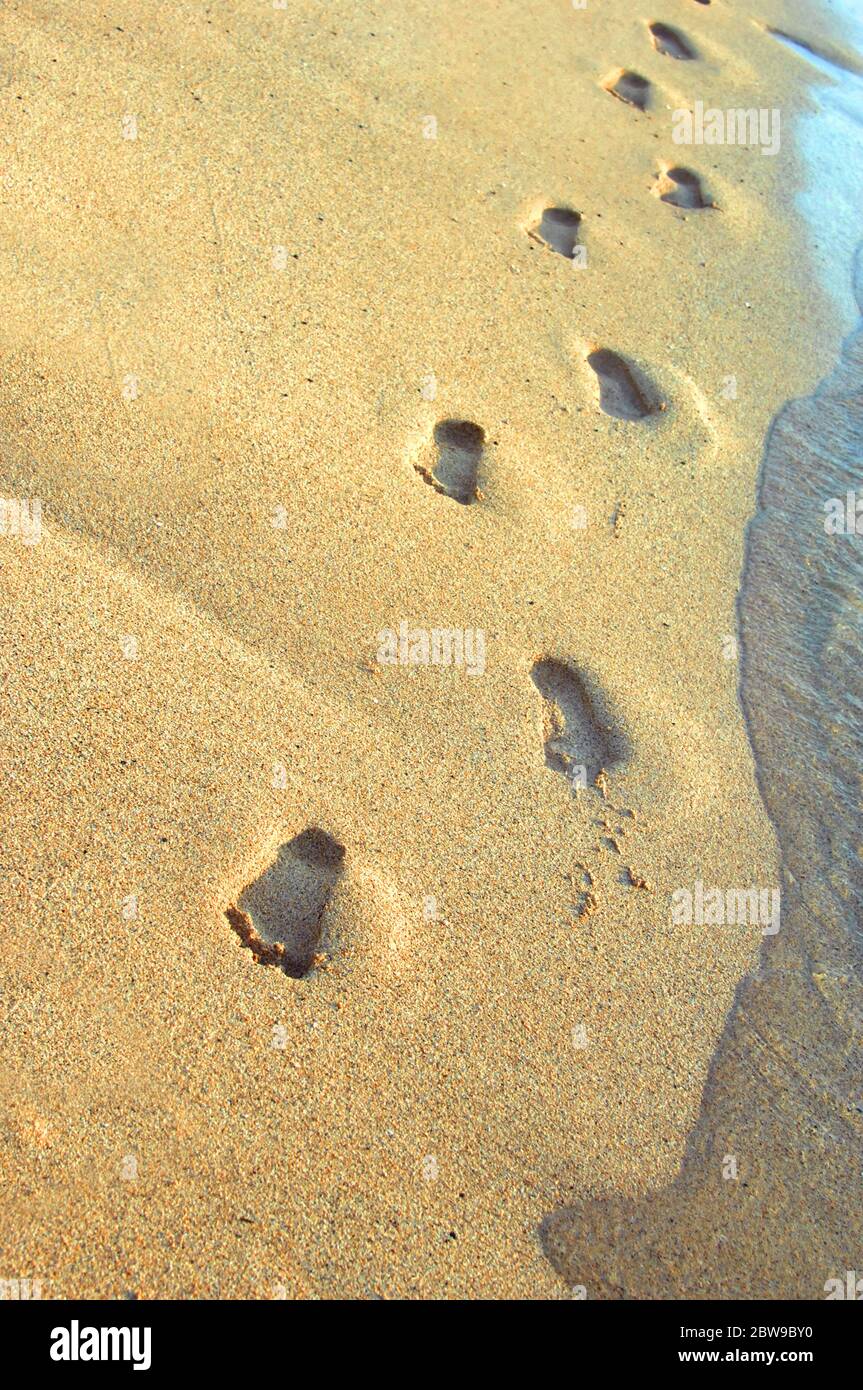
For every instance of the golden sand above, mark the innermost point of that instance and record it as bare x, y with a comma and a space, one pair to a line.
257, 257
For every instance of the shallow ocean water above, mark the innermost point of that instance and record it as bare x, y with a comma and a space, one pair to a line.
801, 600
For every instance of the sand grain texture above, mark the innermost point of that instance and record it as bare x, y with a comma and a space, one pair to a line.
218, 339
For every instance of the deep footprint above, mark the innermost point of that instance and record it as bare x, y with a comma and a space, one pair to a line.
630, 87
682, 188
280, 917
459, 445
558, 228
623, 393
670, 42
580, 737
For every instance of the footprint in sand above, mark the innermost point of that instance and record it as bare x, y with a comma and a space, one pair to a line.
458, 447
581, 739
623, 391
682, 188
630, 87
670, 42
558, 229
280, 917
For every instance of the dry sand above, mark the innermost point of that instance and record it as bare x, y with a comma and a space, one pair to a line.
230, 321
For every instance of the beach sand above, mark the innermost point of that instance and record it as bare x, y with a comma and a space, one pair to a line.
259, 258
